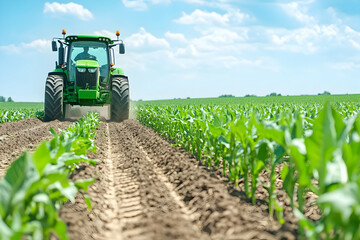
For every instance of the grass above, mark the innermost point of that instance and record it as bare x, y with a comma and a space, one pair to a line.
21, 105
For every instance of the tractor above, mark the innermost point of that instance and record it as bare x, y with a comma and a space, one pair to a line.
85, 80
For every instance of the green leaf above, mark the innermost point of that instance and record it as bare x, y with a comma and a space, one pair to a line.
297, 153
53, 132
41, 157
336, 170
88, 201
5, 196
60, 230
284, 172
84, 183
5, 231
341, 202
41, 198
69, 192
21, 175
322, 143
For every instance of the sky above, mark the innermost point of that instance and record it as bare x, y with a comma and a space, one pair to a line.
192, 48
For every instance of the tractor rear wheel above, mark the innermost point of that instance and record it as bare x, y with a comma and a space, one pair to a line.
120, 99
53, 98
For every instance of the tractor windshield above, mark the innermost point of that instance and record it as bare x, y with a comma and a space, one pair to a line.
87, 50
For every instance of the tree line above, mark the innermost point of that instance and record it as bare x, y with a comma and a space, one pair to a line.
3, 99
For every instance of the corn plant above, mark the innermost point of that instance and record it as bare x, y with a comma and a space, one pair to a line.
317, 144
37, 184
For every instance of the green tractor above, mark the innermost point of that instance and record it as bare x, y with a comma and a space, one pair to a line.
84, 79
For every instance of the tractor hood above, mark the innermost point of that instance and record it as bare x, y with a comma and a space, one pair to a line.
87, 64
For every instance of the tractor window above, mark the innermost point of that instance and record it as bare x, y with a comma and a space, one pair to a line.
87, 50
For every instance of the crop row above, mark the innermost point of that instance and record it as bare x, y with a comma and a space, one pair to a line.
19, 114
37, 184
318, 147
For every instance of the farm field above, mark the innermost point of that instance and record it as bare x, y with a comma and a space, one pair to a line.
147, 189
15, 111
165, 185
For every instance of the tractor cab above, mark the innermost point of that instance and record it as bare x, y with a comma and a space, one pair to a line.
88, 78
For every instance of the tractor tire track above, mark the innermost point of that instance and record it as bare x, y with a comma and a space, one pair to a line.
21, 136
148, 189
217, 212
130, 200
148, 210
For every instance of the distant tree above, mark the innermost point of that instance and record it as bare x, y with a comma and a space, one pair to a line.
10, 99
325, 93
2, 99
273, 94
226, 95
188, 98
250, 95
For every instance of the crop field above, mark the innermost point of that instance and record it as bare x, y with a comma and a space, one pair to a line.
15, 111
217, 168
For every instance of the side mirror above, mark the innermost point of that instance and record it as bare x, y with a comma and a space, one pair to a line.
121, 48
54, 46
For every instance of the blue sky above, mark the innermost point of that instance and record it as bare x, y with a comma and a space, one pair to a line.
192, 48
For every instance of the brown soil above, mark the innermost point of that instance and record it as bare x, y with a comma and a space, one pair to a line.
17, 137
148, 189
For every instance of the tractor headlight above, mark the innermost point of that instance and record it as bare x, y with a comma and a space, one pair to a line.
82, 70
92, 70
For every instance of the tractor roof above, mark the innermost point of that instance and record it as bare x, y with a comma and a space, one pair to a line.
74, 38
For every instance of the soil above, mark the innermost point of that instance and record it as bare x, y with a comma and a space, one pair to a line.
148, 189
24, 135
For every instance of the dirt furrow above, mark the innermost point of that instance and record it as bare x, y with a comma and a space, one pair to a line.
148, 189
99, 223
10, 128
18, 141
148, 210
130, 199
220, 214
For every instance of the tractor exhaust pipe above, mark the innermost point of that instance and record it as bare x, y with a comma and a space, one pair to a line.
61, 53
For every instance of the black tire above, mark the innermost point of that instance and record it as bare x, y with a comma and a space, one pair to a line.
120, 99
53, 98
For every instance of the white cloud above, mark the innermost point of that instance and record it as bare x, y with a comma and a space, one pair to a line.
345, 65
68, 8
41, 45
353, 37
298, 12
306, 40
106, 33
138, 5
202, 17
355, 44
38, 44
176, 37
217, 39
142, 5
144, 39
12, 48
212, 18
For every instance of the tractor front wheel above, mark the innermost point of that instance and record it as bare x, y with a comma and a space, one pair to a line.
120, 99
53, 98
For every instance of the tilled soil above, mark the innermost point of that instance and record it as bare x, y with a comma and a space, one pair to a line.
17, 137
148, 189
